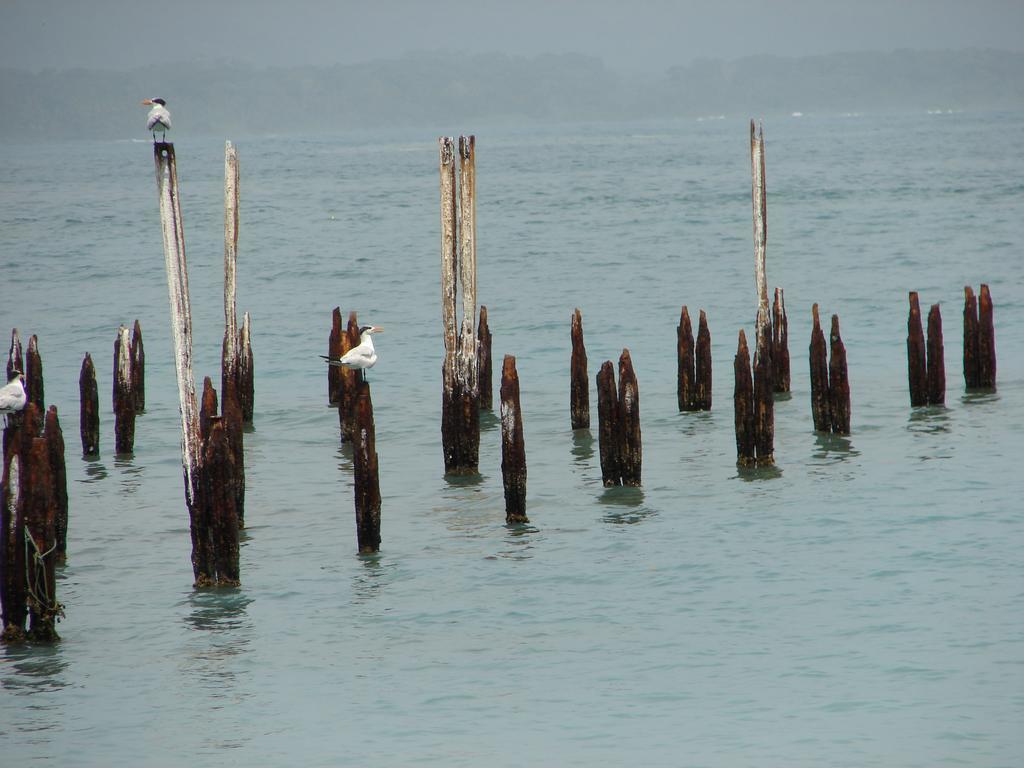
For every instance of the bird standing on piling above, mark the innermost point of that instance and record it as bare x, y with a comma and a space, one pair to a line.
12, 395
159, 119
361, 356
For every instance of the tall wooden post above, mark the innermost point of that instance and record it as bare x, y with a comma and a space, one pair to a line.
90, 408
124, 399
579, 383
820, 401
917, 368
366, 480
231, 349
513, 449
936, 368
759, 199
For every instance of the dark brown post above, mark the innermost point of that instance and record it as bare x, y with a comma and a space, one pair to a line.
219, 479
780, 342
686, 395
579, 383
608, 425
40, 544
334, 352
246, 370
12, 540
971, 356
936, 359
54, 438
366, 480
838, 383
820, 408
764, 399
917, 369
348, 382
124, 401
743, 403
90, 408
513, 449
630, 446
15, 357
34, 374
138, 355
702, 392
986, 340
483, 357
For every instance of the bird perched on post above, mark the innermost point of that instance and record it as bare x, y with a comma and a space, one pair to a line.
12, 395
361, 356
159, 119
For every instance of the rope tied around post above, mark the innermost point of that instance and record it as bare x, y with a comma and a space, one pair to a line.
35, 574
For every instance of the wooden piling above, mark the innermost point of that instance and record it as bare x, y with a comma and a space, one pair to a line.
460, 408
247, 371
513, 449
630, 446
334, 352
34, 374
702, 366
986, 340
15, 356
764, 399
485, 377
608, 425
138, 356
54, 437
917, 368
40, 514
365, 474
780, 342
89, 420
231, 348
971, 340
743, 404
348, 382
685, 363
820, 400
838, 383
579, 383
215, 546
13, 598
936, 367
123, 399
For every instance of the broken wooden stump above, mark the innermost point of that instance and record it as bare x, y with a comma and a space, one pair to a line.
334, 352
764, 399
54, 437
485, 378
818, 363
246, 371
607, 425
138, 359
13, 599
365, 473
743, 405
780, 343
579, 384
215, 537
979, 340
702, 365
917, 366
15, 356
693, 378
89, 419
838, 383
618, 415
123, 395
460, 401
971, 361
347, 382
513, 449
936, 368
34, 374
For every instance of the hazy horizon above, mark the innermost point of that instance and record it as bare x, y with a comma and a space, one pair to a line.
644, 36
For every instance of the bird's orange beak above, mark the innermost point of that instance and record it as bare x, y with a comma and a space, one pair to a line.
147, 102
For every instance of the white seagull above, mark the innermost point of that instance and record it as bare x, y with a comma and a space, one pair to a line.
12, 395
159, 119
361, 356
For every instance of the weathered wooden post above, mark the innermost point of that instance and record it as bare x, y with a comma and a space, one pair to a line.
460, 410
123, 399
759, 200
348, 382
970, 339
231, 350
780, 342
820, 400
630, 446
685, 363
138, 355
579, 383
334, 352
192, 455
365, 474
702, 365
743, 405
936, 369
89, 420
54, 437
513, 449
764, 400
247, 371
838, 383
608, 425
41, 543
917, 368
12, 535
485, 377
34, 374
986, 340
218, 479
15, 356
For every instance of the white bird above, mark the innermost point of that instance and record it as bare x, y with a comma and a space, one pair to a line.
12, 395
361, 356
159, 119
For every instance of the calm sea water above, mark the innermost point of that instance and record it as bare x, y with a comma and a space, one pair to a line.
859, 605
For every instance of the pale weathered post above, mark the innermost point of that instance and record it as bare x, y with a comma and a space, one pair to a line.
123, 397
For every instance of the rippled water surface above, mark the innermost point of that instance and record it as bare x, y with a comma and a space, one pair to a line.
859, 604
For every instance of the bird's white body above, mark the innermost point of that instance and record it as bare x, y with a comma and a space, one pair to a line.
159, 118
361, 356
12, 396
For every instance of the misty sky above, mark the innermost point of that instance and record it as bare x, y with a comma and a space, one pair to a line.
638, 35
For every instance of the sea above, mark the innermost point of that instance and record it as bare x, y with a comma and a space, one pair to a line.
861, 603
